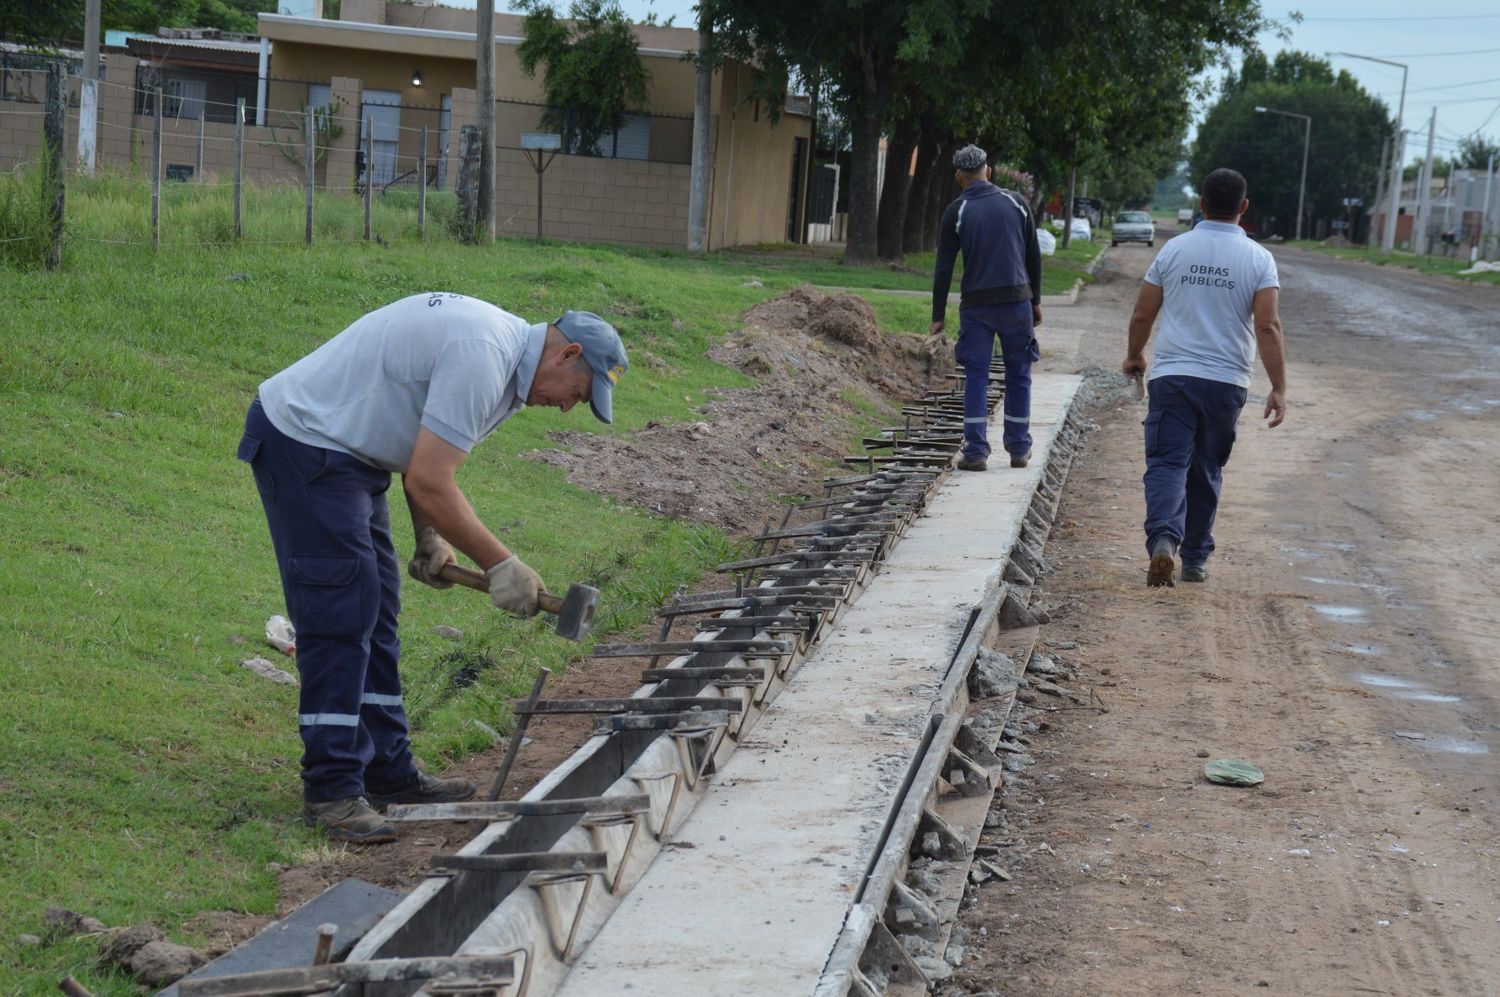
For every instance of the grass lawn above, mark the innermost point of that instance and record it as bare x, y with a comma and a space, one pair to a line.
1441, 265
147, 776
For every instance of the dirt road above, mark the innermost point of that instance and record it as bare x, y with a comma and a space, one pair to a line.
1345, 643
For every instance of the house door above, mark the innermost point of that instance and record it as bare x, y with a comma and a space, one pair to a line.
445, 118
382, 111
799, 153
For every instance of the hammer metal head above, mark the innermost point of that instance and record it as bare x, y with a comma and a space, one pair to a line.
575, 617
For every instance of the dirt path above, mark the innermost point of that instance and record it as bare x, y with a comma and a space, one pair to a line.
1344, 643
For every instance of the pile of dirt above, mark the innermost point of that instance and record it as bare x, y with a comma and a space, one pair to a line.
818, 360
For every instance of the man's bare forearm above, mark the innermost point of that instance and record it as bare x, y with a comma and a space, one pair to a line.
1272, 354
446, 510
1140, 334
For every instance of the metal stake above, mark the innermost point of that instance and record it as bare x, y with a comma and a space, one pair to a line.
522, 719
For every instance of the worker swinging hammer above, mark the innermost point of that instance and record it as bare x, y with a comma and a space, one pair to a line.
408, 389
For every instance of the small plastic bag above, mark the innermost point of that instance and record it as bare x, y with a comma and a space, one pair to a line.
281, 635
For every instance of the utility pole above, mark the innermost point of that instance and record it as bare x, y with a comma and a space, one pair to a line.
1388, 242
88, 94
485, 87
1385, 151
1419, 237
1489, 181
702, 117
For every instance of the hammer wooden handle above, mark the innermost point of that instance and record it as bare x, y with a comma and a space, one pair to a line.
476, 580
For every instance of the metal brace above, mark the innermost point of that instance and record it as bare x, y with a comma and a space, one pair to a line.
549, 888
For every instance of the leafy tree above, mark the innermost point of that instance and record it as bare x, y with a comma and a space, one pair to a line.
1413, 170
49, 24
1348, 127
869, 51
1475, 152
592, 70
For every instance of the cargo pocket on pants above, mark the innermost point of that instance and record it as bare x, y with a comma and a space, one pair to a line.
324, 595
1152, 423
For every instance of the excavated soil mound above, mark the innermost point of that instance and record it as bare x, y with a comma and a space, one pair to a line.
817, 361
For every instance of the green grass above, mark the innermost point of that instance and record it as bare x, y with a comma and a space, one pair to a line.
147, 776
1443, 266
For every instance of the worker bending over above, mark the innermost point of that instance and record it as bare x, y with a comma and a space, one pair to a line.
408, 389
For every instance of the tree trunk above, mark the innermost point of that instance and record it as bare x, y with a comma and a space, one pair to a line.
893, 196
864, 166
1067, 236
702, 119
939, 193
919, 196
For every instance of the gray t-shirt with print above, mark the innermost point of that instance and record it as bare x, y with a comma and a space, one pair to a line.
453, 364
1208, 279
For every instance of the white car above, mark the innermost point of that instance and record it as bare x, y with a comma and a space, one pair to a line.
1133, 226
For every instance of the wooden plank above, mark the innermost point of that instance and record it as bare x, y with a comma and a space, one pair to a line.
757, 622
657, 648
642, 704
719, 675
524, 862
502, 809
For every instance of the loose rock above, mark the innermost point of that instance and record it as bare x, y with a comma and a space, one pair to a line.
66, 922
126, 942
160, 963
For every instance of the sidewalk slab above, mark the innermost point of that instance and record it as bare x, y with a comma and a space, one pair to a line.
752, 895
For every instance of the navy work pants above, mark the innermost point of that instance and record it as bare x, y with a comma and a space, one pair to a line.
977, 329
1189, 434
332, 533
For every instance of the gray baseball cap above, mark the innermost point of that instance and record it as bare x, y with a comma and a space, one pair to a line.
969, 159
603, 351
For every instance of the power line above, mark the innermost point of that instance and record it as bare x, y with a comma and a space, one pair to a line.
1435, 55
1440, 17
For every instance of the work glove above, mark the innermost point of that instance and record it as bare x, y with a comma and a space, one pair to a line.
514, 587
432, 553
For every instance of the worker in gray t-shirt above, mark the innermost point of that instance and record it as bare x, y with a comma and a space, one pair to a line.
407, 389
1217, 293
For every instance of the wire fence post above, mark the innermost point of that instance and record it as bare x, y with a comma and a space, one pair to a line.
422, 185
239, 168
369, 173
198, 167
55, 132
468, 182
156, 169
311, 177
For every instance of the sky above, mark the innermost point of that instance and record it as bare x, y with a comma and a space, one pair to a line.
1452, 55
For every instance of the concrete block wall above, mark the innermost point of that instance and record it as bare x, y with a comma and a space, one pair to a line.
594, 200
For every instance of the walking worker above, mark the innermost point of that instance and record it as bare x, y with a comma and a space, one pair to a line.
407, 389
1218, 295
1001, 295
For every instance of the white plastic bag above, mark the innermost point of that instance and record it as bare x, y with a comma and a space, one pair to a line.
1047, 241
281, 635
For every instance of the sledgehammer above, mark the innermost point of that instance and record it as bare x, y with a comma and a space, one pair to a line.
574, 612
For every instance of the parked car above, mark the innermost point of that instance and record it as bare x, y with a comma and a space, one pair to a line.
1184, 216
1133, 226
1081, 229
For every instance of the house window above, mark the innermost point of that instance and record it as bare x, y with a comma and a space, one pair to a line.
632, 141
183, 98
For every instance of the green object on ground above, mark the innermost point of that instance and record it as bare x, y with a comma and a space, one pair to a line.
1233, 772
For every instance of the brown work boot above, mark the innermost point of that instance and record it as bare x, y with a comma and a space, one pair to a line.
419, 787
350, 819
1160, 572
972, 463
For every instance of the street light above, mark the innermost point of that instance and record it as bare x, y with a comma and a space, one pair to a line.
1388, 237
1306, 141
